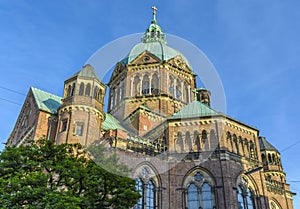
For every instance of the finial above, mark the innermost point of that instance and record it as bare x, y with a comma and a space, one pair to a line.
195, 94
154, 12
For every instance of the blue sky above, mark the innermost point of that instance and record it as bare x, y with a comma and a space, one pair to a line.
254, 46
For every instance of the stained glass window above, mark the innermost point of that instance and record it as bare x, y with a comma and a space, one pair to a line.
139, 188
193, 197
150, 195
245, 199
147, 192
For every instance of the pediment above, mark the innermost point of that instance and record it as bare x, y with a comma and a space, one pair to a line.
178, 62
145, 58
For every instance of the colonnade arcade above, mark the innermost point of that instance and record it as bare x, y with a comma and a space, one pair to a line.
149, 83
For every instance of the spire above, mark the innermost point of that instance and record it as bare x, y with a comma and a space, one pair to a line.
154, 14
154, 32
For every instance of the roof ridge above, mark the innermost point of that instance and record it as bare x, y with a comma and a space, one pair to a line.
46, 101
194, 109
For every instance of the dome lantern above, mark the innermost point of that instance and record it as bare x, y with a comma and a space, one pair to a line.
154, 32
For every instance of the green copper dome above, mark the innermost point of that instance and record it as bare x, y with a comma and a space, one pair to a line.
155, 42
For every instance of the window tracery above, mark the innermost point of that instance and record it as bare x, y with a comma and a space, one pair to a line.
245, 198
146, 185
245, 194
200, 192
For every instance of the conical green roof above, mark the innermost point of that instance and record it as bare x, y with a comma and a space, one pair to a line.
265, 145
86, 71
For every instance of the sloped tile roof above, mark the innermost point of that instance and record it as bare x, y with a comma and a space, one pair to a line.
265, 145
86, 71
194, 109
46, 101
111, 123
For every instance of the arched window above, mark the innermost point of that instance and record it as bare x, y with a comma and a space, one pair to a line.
205, 142
117, 95
229, 142
69, 91
241, 204
136, 85
207, 197
213, 140
245, 198
186, 92
179, 142
193, 197
146, 85
81, 89
100, 95
273, 159
139, 188
263, 158
197, 141
96, 92
171, 86
73, 89
235, 144
250, 204
246, 149
148, 194
252, 150
200, 194
274, 205
188, 141
241, 143
178, 92
270, 159
154, 85
88, 90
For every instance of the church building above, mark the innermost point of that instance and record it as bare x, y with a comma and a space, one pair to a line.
182, 152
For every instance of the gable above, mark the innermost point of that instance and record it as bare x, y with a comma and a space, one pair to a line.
179, 62
145, 58
46, 101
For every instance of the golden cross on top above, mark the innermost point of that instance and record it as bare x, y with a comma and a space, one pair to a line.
154, 10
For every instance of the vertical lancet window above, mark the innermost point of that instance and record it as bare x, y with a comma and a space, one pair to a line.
88, 90
154, 85
193, 197
139, 188
197, 141
188, 142
146, 85
147, 191
136, 85
150, 195
81, 89
205, 142
179, 142
96, 92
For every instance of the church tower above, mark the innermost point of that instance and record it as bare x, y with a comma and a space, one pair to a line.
275, 176
153, 77
81, 114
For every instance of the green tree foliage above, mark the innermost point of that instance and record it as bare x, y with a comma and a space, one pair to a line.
44, 175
